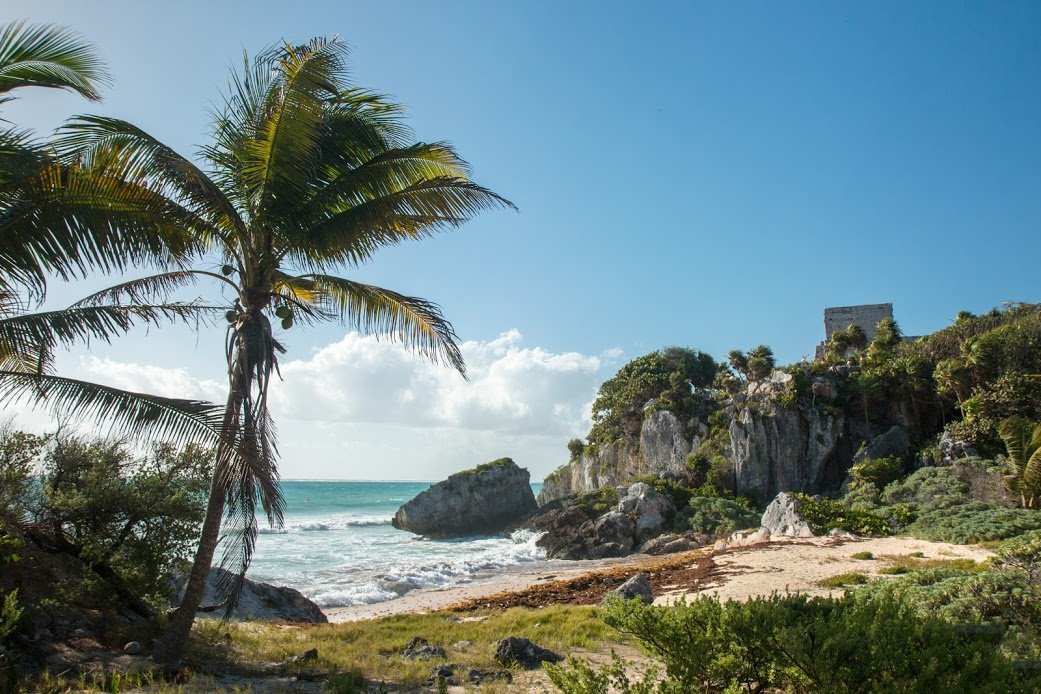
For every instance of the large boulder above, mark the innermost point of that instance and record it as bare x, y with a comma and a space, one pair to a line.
651, 509
892, 442
514, 650
259, 601
481, 501
636, 587
782, 517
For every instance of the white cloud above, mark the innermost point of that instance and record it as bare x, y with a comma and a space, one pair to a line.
361, 407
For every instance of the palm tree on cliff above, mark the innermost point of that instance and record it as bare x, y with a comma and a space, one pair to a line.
48, 212
306, 175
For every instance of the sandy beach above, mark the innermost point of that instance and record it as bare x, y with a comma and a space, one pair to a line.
784, 565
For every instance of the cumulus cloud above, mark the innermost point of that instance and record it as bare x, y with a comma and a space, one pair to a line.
512, 389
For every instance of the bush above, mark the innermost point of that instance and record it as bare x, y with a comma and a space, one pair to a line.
828, 514
666, 374
575, 447
973, 522
716, 516
800, 644
877, 471
862, 556
929, 487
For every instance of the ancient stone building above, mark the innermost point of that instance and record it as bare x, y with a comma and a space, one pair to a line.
867, 316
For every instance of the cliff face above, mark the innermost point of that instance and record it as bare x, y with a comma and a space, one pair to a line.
787, 451
771, 449
662, 446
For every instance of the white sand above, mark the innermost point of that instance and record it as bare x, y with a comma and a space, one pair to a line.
795, 566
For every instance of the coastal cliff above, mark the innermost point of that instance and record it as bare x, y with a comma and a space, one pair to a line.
757, 442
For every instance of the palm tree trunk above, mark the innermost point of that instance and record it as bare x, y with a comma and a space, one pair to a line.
174, 640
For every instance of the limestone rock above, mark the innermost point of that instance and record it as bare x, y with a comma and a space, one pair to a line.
132, 648
782, 517
481, 501
261, 601
636, 587
786, 450
514, 650
892, 442
420, 648
484, 675
666, 544
664, 443
614, 527
951, 449
650, 508
743, 538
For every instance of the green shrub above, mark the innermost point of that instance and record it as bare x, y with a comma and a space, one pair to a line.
716, 516
827, 514
862, 556
800, 644
973, 522
1022, 553
877, 471
929, 487
851, 578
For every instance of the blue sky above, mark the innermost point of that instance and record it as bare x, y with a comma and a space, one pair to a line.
710, 175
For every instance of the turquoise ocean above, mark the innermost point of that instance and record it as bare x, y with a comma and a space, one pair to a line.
338, 547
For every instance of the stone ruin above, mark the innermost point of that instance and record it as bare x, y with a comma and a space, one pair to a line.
838, 318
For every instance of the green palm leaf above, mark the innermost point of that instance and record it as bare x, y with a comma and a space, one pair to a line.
48, 56
125, 414
416, 323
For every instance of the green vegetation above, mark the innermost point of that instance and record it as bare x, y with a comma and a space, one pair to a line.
827, 514
851, 578
862, 556
1022, 439
877, 471
758, 363
715, 516
671, 375
127, 520
800, 644
973, 522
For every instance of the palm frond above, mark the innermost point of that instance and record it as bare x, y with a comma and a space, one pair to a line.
126, 414
148, 289
416, 323
32, 337
125, 152
48, 56
353, 235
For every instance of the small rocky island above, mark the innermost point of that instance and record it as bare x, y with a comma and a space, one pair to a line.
481, 501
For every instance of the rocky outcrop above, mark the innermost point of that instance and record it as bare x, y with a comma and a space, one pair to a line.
261, 601
574, 531
482, 501
775, 449
651, 510
894, 441
782, 517
667, 544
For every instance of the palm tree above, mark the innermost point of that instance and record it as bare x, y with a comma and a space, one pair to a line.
306, 175
1022, 439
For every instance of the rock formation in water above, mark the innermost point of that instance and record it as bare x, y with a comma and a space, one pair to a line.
482, 501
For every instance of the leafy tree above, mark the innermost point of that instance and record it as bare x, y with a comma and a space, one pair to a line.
669, 374
307, 174
1022, 439
758, 363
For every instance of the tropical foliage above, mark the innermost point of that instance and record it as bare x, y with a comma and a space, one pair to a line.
1023, 441
306, 174
671, 375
